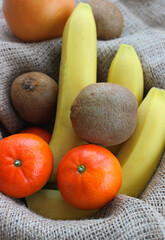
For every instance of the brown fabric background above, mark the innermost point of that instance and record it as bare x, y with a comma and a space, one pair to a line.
124, 217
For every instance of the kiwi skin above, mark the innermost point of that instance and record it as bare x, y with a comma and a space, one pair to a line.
109, 19
104, 114
34, 96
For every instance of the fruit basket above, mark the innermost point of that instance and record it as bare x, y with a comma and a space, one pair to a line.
124, 217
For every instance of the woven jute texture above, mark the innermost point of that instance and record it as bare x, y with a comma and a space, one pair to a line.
124, 217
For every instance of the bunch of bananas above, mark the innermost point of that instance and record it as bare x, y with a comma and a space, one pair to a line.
140, 155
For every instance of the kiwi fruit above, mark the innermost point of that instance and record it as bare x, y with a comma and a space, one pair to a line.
104, 114
109, 19
34, 96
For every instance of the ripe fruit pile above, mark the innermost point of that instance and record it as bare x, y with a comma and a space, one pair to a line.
111, 114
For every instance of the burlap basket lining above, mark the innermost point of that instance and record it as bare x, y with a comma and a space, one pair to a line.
125, 217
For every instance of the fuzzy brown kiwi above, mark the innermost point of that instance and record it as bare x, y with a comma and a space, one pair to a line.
109, 19
104, 114
34, 96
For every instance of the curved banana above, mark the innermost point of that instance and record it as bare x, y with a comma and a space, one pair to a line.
50, 204
77, 70
140, 155
126, 70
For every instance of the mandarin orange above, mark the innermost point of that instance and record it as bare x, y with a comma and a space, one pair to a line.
26, 163
89, 176
41, 132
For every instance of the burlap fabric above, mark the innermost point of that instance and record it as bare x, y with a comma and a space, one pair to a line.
124, 217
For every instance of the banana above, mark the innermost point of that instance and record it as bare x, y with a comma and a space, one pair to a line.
126, 70
140, 155
78, 69
50, 204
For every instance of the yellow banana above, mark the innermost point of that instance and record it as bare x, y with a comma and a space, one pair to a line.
140, 155
77, 70
126, 70
50, 204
